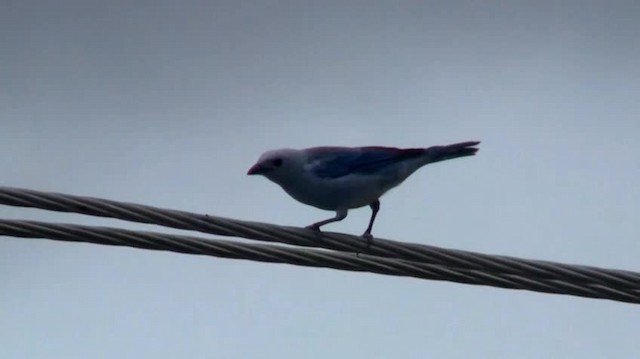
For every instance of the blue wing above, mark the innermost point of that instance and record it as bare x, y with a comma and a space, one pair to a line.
338, 162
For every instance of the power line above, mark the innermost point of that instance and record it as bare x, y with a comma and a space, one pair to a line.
572, 278
304, 257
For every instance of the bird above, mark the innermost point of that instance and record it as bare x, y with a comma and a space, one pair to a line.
342, 178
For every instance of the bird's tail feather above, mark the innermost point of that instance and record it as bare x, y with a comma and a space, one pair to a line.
442, 153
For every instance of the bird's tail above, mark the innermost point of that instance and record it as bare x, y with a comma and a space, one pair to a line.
442, 153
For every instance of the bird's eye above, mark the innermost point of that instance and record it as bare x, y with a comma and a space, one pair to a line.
277, 162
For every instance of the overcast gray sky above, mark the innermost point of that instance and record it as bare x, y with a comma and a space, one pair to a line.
168, 103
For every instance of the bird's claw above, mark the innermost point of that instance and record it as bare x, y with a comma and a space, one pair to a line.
369, 237
313, 227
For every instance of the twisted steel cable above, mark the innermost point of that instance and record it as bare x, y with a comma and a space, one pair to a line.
306, 257
491, 264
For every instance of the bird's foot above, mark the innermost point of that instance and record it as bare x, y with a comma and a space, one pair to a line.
369, 237
313, 227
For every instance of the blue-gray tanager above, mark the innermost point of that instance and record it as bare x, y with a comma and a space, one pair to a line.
342, 178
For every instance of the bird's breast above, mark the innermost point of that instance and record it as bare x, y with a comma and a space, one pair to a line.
332, 194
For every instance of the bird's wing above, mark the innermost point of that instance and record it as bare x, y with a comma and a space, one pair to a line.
334, 162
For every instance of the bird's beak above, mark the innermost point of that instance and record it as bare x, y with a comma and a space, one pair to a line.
257, 169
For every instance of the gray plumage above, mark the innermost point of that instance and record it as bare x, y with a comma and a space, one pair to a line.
342, 178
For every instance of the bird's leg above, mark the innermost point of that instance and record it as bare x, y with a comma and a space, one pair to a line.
375, 207
340, 215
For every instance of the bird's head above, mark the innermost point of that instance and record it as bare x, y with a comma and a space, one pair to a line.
277, 165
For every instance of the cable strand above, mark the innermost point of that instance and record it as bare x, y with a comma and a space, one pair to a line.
536, 269
306, 257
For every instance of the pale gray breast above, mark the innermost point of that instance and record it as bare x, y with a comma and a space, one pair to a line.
332, 194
